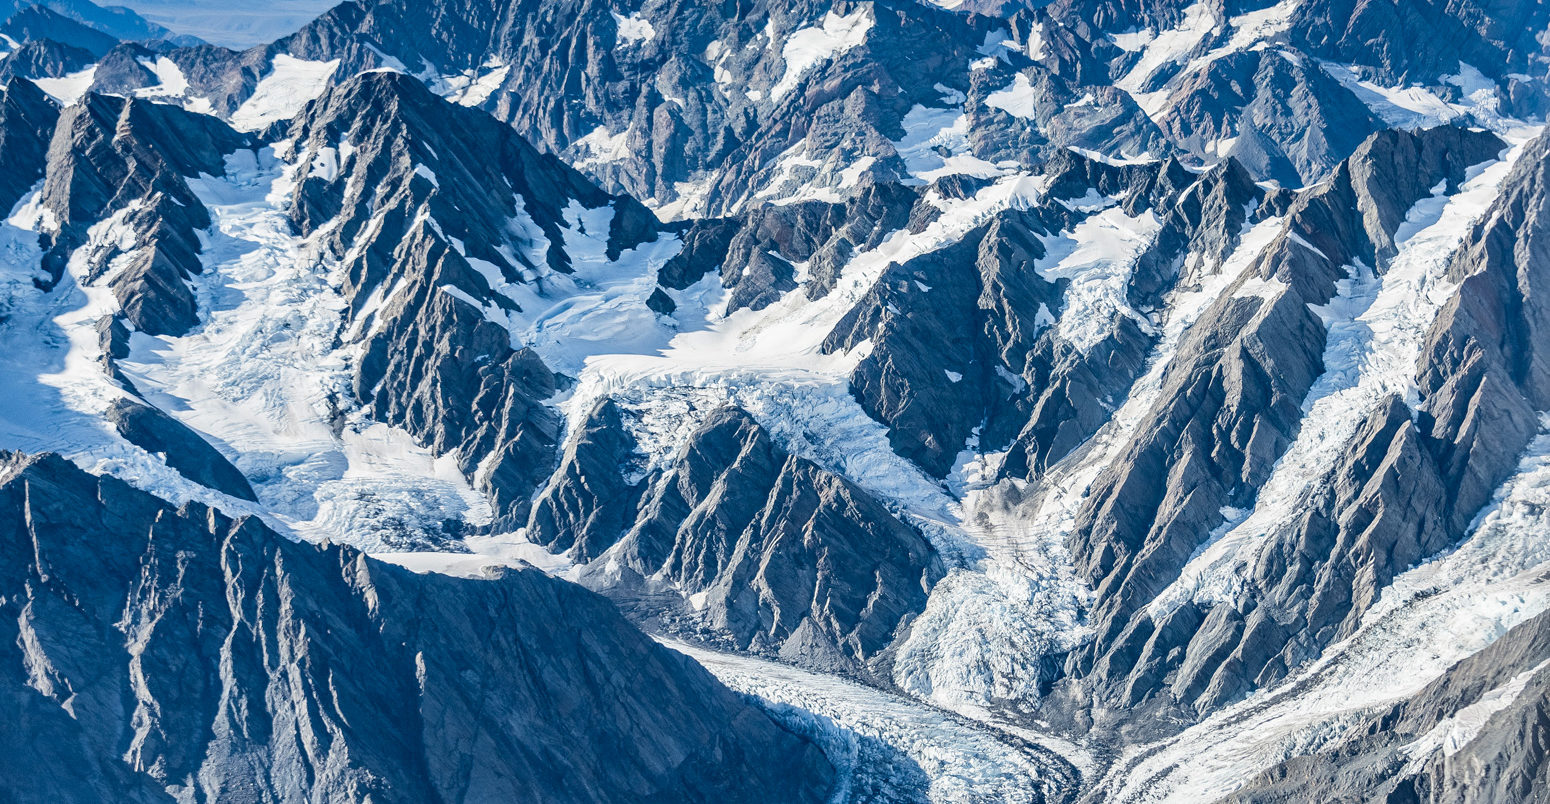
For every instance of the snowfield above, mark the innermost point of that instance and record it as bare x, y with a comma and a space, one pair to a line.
280, 94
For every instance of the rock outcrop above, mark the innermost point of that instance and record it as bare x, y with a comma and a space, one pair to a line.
767, 549
128, 161
151, 654
437, 214
1228, 409
1431, 747
183, 449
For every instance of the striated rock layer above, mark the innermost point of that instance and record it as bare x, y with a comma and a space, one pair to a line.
149, 653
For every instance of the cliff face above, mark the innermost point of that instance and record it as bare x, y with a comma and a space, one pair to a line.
192, 657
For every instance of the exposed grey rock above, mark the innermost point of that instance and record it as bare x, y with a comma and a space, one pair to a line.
1286, 118
439, 369
112, 337
755, 250
786, 558
121, 71
923, 321
702, 100
1227, 410
421, 175
182, 448
590, 501
211, 657
43, 58
1063, 114
27, 119
1506, 760
960, 337
117, 22
1064, 51
1485, 369
115, 156
41, 23
221, 76
1422, 41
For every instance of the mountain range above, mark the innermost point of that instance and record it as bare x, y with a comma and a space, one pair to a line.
781, 400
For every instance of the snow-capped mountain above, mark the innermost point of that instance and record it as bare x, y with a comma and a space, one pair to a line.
1082, 401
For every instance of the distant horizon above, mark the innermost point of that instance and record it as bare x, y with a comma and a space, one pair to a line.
221, 23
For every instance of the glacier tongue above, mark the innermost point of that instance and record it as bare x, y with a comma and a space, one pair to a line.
1432, 616
964, 762
986, 629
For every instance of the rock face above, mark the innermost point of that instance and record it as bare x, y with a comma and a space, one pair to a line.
709, 109
998, 336
1281, 118
44, 59
756, 252
1419, 41
1227, 411
420, 196
704, 111
193, 457
1072, 289
41, 23
27, 119
779, 555
128, 161
789, 558
193, 655
590, 501
1508, 686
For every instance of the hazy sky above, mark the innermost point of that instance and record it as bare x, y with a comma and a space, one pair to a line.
224, 22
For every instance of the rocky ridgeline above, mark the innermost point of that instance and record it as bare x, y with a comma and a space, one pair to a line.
447, 190
191, 655
780, 556
128, 161
1230, 406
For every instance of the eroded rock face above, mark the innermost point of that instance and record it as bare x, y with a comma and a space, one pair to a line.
756, 252
1224, 417
1283, 118
191, 654
777, 555
27, 119
128, 161
699, 107
1425, 40
193, 457
986, 344
1394, 756
41, 23
417, 196
591, 500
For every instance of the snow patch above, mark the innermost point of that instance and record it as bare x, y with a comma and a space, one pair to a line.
808, 47
1016, 99
69, 88
633, 30
281, 94
1098, 257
